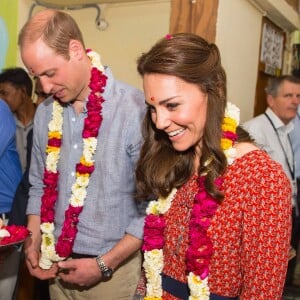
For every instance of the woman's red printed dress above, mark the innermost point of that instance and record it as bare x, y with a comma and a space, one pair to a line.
250, 231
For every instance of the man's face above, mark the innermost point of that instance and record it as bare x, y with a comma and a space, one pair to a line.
58, 76
285, 104
11, 95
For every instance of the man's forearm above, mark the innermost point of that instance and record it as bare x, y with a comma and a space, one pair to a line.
33, 224
122, 250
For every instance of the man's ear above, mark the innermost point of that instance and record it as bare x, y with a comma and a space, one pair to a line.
76, 50
270, 100
23, 92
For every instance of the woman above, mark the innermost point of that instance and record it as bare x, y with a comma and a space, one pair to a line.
220, 228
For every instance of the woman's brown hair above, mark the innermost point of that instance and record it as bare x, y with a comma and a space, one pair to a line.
160, 167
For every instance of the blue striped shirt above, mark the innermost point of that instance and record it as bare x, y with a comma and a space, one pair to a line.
109, 210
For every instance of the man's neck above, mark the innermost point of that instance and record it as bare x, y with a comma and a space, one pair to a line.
25, 113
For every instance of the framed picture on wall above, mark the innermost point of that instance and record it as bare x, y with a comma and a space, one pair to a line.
272, 47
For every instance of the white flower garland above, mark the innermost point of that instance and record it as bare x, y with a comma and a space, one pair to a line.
232, 112
154, 260
48, 253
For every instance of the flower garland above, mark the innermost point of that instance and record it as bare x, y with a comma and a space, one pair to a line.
49, 251
12, 234
200, 247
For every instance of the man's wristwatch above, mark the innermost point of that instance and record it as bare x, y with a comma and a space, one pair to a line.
105, 270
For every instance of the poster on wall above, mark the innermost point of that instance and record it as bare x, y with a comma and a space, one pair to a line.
271, 49
295, 42
296, 60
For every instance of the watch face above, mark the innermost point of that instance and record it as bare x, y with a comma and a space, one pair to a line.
108, 273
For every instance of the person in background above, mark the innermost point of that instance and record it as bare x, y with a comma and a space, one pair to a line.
16, 90
295, 139
10, 176
219, 227
18, 216
86, 227
18, 212
40, 95
271, 131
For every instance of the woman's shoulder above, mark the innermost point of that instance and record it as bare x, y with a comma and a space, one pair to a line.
254, 172
244, 148
252, 159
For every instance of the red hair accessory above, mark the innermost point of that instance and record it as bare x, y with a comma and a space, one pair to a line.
168, 36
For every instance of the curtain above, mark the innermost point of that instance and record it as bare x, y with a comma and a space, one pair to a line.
195, 16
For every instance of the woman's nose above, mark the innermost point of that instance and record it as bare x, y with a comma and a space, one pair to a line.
162, 120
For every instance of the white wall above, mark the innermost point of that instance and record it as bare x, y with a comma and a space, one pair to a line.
133, 28
238, 38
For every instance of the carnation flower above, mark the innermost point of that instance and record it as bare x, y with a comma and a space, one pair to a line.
11, 234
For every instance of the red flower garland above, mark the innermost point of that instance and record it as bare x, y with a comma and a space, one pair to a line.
200, 246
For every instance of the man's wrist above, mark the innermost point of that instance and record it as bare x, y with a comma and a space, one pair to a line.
106, 271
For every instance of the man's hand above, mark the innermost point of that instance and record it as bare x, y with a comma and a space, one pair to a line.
32, 247
32, 262
292, 253
83, 272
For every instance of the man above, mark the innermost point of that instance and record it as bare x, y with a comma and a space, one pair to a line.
86, 140
10, 176
18, 217
16, 91
295, 139
271, 130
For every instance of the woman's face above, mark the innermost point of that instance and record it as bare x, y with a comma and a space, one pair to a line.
177, 107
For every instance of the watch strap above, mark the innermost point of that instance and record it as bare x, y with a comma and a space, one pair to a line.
102, 266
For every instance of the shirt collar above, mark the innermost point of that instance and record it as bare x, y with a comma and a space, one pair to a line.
279, 125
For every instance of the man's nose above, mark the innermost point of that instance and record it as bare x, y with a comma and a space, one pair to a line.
46, 85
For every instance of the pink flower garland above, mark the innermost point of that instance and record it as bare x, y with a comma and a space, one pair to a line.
154, 232
92, 124
200, 247
230, 135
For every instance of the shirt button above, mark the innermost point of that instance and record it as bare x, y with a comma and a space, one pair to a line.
75, 146
73, 119
73, 174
